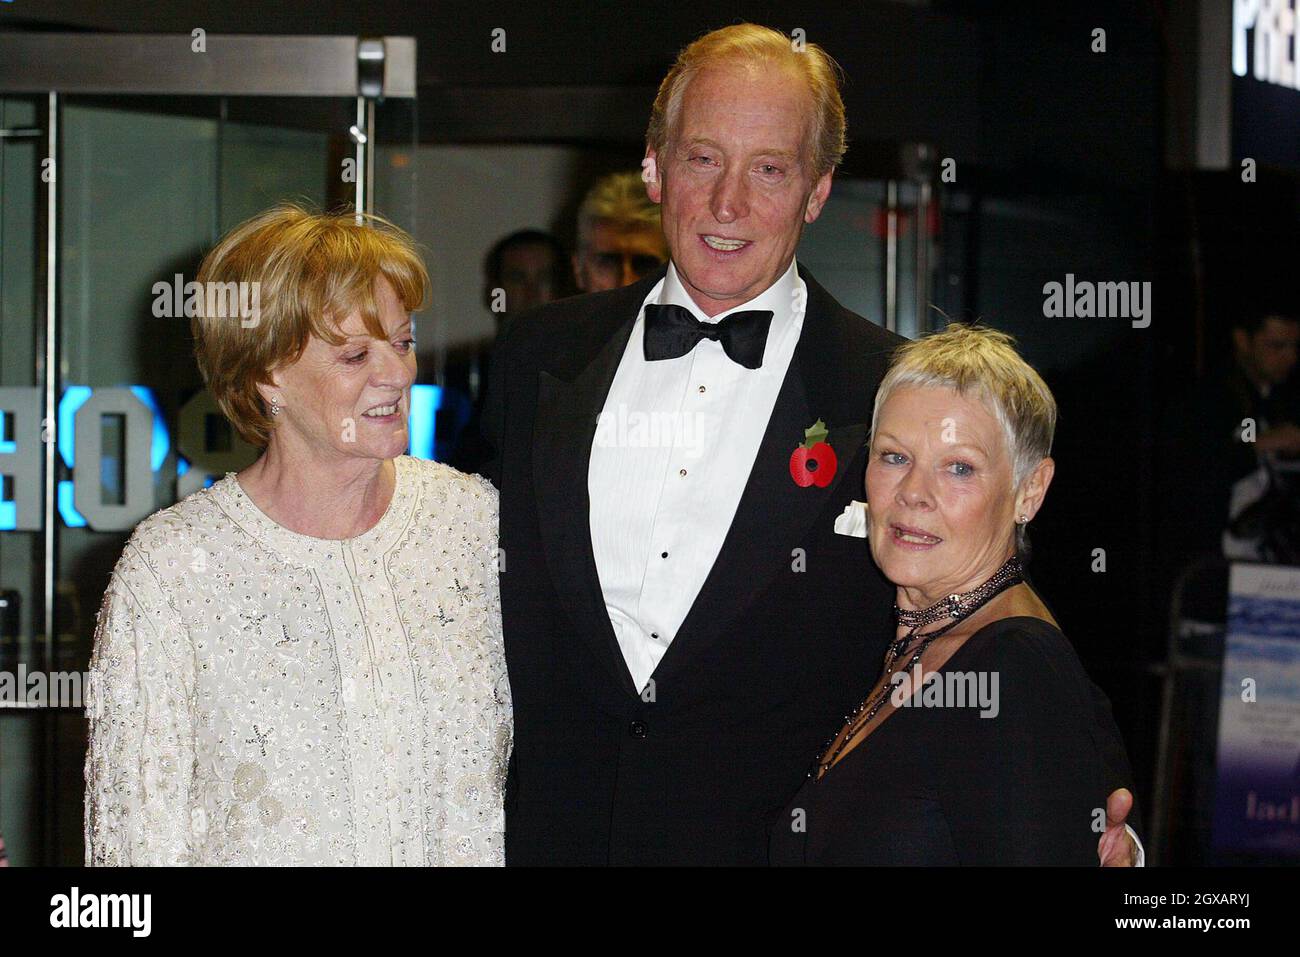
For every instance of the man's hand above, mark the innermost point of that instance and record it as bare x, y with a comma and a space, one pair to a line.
1283, 439
1116, 848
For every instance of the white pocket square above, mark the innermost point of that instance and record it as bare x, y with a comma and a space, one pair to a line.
854, 520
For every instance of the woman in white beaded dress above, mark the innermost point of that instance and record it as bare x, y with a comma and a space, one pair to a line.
302, 664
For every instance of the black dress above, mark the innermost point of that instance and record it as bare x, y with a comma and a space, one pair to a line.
942, 785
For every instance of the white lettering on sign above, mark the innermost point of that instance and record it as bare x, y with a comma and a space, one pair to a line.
1263, 40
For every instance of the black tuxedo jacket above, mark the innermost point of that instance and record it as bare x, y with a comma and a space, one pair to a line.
786, 635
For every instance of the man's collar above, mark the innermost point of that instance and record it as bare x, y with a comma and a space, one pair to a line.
779, 297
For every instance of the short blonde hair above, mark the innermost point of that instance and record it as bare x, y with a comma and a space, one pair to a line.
982, 362
313, 271
618, 199
749, 43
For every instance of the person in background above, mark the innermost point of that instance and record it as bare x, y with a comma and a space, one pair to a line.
1257, 430
620, 239
522, 271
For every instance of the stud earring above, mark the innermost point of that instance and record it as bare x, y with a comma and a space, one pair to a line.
275, 406
1022, 520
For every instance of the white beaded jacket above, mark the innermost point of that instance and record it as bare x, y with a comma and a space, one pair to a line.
262, 697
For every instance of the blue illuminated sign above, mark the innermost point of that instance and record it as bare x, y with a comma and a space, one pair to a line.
22, 460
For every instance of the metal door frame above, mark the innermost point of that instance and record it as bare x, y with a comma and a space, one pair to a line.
198, 64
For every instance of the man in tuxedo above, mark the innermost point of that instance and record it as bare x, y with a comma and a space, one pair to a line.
684, 628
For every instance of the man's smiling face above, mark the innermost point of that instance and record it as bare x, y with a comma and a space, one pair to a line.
735, 182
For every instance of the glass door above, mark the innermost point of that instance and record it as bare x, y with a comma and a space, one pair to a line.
109, 201
891, 242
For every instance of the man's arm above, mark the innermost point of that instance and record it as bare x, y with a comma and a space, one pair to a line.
1119, 845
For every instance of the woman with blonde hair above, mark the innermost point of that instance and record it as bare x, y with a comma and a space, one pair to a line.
303, 664
978, 743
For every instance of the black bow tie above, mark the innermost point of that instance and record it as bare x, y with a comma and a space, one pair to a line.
671, 332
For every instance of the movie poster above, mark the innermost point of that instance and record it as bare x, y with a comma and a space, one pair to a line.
1257, 797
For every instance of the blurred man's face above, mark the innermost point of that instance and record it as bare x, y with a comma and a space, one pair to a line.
1269, 355
611, 257
528, 277
735, 184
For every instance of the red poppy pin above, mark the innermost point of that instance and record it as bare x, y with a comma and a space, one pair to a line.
813, 463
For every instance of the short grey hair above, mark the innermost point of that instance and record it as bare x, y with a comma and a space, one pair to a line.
983, 362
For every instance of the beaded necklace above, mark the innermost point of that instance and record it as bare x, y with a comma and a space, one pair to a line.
956, 607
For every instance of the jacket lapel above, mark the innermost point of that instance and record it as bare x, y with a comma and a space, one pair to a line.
568, 409
775, 514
